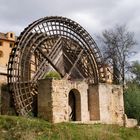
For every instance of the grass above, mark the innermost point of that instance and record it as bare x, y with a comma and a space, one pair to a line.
21, 128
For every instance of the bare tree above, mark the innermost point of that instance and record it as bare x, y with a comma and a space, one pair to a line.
117, 48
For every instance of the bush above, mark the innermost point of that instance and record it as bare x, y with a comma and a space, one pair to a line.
53, 74
132, 101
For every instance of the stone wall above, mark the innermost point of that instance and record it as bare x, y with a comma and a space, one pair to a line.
3, 79
111, 104
103, 102
3, 75
94, 102
6, 103
130, 122
106, 103
45, 100
53, 99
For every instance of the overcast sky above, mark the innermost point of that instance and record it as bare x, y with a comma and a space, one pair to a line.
93, 15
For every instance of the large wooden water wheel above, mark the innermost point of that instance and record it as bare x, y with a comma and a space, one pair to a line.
50, 44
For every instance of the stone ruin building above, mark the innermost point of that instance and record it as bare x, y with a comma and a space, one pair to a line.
83, 93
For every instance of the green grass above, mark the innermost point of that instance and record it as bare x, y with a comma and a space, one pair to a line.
20, 128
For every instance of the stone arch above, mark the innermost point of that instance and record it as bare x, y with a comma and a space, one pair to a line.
74, 104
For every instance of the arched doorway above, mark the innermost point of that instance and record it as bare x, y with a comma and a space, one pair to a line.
74, 103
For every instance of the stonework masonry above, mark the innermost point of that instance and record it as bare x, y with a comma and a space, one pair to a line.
111, 104
5, 101
53, 100
103, 102
3, 75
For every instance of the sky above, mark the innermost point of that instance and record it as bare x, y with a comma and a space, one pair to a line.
94, 15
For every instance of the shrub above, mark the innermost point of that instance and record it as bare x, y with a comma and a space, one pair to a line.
53, 74
132, 101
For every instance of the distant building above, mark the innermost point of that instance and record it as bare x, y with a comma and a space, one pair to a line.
108, 74
7, 41
107, 77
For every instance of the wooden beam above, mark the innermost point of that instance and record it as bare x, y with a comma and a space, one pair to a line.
74, 65
49, 60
